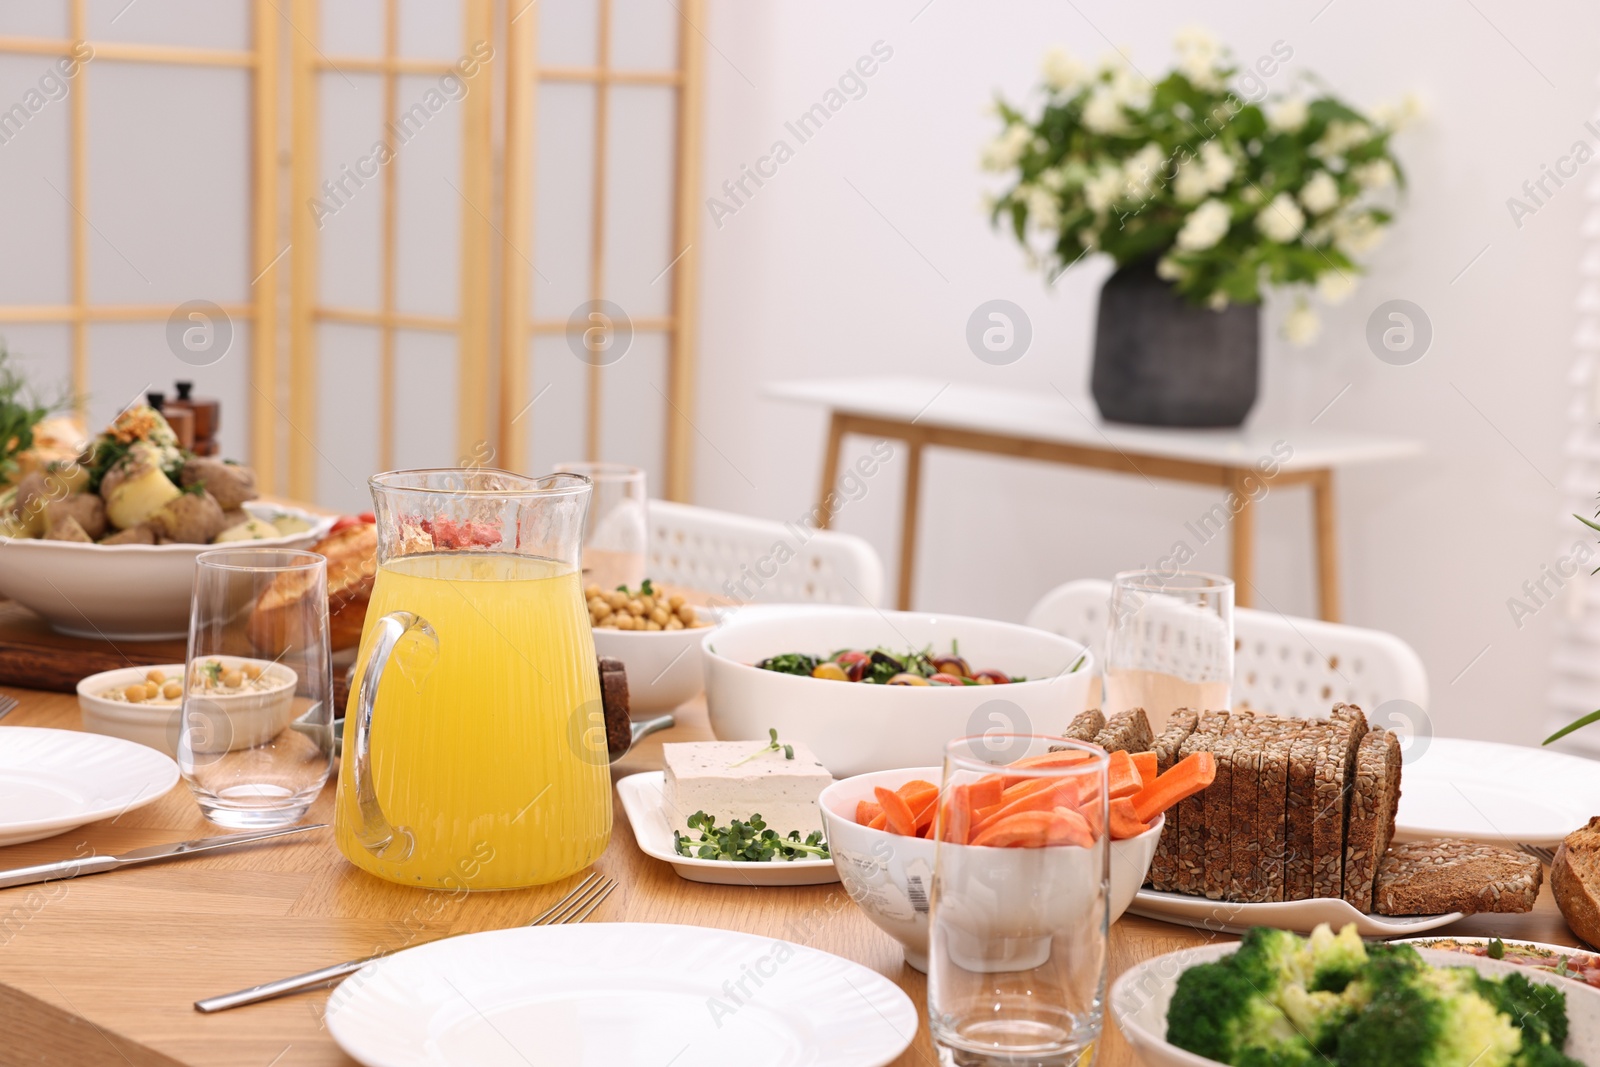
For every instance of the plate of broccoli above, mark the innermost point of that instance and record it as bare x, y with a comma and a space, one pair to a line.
1275, 999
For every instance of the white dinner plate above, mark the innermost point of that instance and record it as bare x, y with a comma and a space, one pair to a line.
1301, 916
615, 995
642, 802
1501, 794
52, 781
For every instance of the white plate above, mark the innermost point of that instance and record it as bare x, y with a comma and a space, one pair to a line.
617, 994
642, 802
52, 781
1502, 794
1301, 916
1140, 998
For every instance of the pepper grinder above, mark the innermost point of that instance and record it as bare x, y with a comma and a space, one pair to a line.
207, 419
181, 419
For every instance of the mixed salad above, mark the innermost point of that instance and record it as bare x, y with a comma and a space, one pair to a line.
880, 666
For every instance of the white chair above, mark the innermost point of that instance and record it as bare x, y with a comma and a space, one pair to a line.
1282, 665
748, 560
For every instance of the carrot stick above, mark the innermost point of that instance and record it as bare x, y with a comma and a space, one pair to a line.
985, 792
916, 794
924, 815
1048, 761
1028, 785
1188, 777
956, 824
1148, 764
1064, 793
1089, 811
1125, 823
1122, 776
901, 819
1028, 829
1079, 830
866, 811
879, 821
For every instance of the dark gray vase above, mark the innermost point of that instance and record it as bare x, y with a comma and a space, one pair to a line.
1161, 361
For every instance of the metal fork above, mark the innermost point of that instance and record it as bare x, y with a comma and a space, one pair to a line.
575, 907
7, 705
1544, 855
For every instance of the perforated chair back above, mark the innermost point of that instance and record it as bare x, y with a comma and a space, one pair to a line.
748, 560
1282, 665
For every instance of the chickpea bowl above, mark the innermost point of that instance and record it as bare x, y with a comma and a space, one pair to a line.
245, 703
656, 634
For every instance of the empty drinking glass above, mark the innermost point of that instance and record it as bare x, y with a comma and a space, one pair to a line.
616, 535
1018, 924
1170, 644
255, 730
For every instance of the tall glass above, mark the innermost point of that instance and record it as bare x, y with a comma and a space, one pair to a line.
474, 746
1170, 644
1017, 961
616, 536
255, 730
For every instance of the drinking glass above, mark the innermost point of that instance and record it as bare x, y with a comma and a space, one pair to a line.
1017, 960
255, 730
1170, 644
616, 535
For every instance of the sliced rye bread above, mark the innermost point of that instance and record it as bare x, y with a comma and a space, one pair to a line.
1300, 809
1441, 875
1354, 721
1246, 877
1127, 731
1086, 726
1374, 796
1335, 767
1164, 865
1189, 876
1217, 833
1575, 880
1272, 823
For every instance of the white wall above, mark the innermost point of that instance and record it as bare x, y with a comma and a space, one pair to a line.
808, 280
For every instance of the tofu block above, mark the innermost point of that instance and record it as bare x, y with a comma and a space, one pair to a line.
702, 776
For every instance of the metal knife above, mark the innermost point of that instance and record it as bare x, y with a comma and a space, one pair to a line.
73, 868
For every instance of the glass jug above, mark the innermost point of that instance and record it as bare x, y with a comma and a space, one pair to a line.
474, 743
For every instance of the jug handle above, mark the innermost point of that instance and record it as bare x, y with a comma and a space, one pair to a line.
373, 829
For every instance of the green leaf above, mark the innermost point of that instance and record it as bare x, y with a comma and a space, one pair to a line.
1592, 717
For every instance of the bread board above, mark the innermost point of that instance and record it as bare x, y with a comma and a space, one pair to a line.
1301, 916
33, 656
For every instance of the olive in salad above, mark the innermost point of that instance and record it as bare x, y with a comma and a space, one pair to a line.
880, 666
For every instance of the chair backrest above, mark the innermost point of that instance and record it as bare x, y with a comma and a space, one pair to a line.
748, 560
1282, 665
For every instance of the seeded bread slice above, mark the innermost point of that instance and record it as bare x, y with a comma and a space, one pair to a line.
1164, 865
1190, 876
1272, 822
1217, 832
1127, 731
1086, 726
1300, 810
1374, 796
1246, 878
1440, 875
1575, 880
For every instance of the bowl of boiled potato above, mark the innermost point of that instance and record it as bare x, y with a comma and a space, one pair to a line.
656, 634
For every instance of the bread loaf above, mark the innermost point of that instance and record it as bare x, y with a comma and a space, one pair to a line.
1439, 875
1575, 880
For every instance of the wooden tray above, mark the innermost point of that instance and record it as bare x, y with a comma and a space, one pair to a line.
33, 656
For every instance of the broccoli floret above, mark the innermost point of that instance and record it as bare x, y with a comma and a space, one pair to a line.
1221, 1011
1537, 1009
1335, 958
1416, 1016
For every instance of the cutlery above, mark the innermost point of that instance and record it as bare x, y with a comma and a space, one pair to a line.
572, 908
644, 728
1544, 855
7, 705
47, 872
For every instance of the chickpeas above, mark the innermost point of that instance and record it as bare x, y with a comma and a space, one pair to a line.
252, 671
155, 677
232, 677
136, 693
622, 609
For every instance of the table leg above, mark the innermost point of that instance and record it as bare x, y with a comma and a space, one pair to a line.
908, 525
1244, 541
830, 470
1327, 534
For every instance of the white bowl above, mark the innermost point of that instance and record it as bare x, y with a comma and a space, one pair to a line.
122, 592
854, 728
890, 875
243, 720
1139, 1001
664, 667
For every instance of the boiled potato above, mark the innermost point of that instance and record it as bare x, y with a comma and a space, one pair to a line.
188, 518
138, 535
88, 509
249, 530
290, 524
230, 483
67, 528
143, 490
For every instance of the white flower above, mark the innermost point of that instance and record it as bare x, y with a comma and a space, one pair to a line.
1209, 173
1044, 210
1374, 175
1053, 179
1288, 115
1003, 152
1131, 88
1088, 238
1399, 116
1217, 301
1062, 72
1320, 194
1219, 165
1103, 187
1169, 269
1356, 234
1301, 325
1252, 195
1281, 220
1205, 226
1103, 111
1198, 53
1191, 185
1335, 285
1340, 137
1141, 171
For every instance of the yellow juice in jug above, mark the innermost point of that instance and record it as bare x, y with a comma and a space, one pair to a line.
491, 754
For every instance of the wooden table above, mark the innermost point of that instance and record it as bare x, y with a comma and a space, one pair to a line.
103, 970
1047, 425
